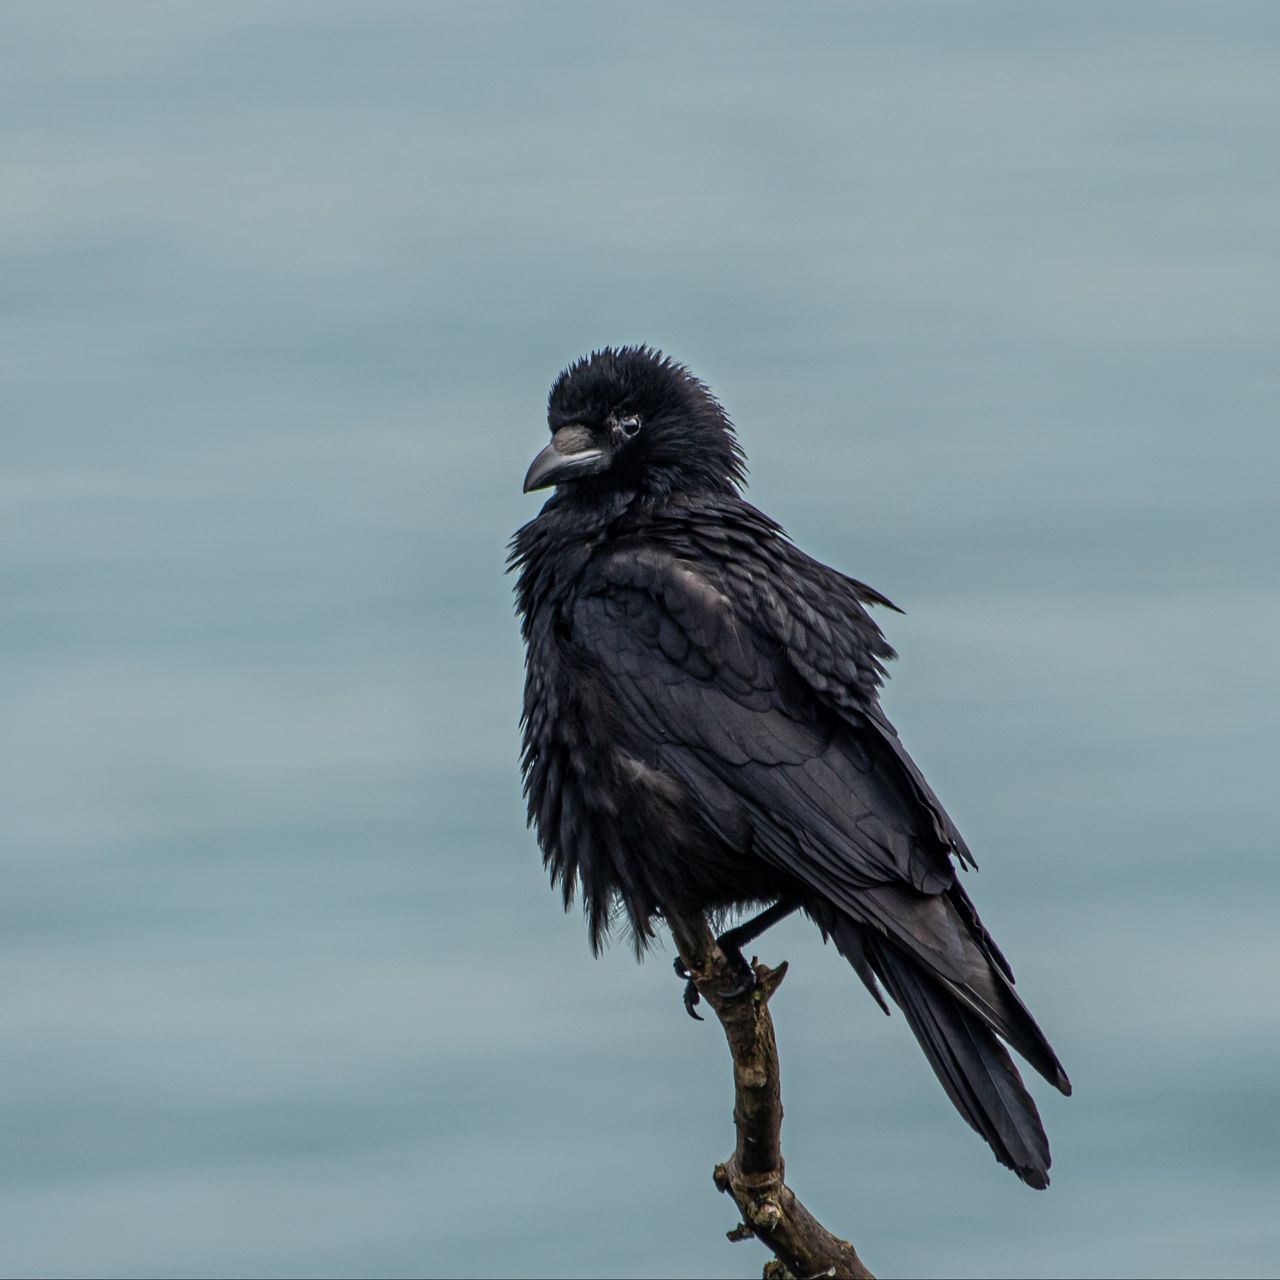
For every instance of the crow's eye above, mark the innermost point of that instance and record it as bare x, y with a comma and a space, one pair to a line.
629, 426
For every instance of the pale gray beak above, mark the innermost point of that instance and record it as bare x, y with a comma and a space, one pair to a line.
571, 454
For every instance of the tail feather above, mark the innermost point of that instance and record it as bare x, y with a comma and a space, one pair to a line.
972, 1065
993, 999
934, 930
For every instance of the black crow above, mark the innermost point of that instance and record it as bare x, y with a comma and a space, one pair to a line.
703, 732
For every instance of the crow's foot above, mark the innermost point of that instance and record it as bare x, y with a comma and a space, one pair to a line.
691, 994
742, 977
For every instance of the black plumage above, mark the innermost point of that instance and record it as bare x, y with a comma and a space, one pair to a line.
702, 730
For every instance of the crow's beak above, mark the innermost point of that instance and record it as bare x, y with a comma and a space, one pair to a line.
571, 454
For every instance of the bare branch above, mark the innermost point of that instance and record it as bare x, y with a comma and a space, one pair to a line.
753, 1175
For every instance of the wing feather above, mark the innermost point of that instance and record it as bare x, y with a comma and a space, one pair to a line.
727, 710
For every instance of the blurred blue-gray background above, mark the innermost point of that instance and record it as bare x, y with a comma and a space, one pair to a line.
993, 294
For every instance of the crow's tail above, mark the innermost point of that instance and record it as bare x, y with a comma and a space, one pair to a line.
974, 1067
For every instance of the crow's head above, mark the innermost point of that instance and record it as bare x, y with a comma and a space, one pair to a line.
630, 420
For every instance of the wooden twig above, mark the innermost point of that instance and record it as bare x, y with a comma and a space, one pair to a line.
753, 1175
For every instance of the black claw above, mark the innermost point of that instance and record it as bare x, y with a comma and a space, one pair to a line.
745, 974
742, 981
741, 987
691, 993
691, 998
746, 979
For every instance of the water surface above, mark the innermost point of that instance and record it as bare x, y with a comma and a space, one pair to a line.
991, 292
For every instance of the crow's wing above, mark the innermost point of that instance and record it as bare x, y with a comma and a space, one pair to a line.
819, 617
707, 691
713, 699
815, 613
